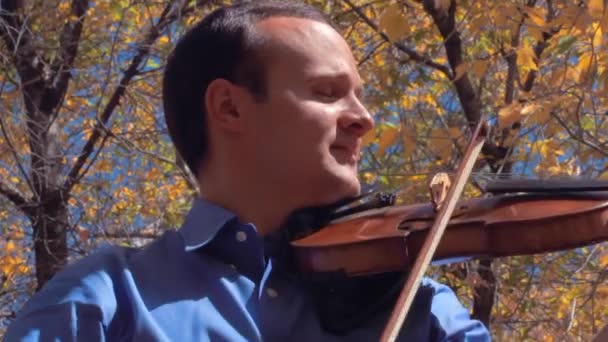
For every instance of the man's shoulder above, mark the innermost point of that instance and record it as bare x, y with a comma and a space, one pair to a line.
101, 277
90, 280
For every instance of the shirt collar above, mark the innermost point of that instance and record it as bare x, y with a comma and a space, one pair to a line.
203, 222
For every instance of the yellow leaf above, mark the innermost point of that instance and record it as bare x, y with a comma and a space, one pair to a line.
407, 101
18, 234
597, 37
10, 246
529, 109
604, 260
480, 67
604, 22
553, 127
499, 18
503, 15
536, 16
460, 70
540, 116
509, 115
154, 174
526, 58
104, 165
550, 148
163, 39
393, 22
557, 78
478, 23
368, 177
596, 8
23, 268
91, 211
536, 33
369, 137
388, 137
5, 269
584, 65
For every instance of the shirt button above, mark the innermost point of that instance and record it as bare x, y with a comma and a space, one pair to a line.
241, 236
272, 293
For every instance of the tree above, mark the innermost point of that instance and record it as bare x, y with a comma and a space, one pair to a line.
85, 158
79, 130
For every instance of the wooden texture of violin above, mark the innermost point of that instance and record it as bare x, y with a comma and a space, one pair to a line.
505, 225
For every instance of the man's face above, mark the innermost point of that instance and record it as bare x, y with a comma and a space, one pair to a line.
307, 135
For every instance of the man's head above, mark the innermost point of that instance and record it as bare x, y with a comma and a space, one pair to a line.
274, 86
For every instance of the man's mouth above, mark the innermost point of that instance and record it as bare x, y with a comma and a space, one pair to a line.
346, 153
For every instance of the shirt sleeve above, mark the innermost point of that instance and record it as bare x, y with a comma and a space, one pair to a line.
452, 320
60, 322
75, 305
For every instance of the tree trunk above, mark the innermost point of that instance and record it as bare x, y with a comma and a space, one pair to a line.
50, 239
484, 293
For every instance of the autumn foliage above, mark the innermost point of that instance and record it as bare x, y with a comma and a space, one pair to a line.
85, 158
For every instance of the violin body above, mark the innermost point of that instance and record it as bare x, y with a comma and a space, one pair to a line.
389, 239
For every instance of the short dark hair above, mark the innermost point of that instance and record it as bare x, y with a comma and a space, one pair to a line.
222, 45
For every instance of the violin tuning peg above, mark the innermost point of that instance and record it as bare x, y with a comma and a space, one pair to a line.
439, 186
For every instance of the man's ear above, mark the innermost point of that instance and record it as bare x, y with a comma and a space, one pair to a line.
222, 101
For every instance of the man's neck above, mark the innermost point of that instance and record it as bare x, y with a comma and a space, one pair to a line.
250, 199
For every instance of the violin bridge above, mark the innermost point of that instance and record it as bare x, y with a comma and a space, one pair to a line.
439, 186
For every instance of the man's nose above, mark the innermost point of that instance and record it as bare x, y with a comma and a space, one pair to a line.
356, 119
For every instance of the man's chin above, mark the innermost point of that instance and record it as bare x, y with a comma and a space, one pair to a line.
347, 187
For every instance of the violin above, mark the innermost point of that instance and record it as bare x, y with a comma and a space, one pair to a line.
517, 218
521, 218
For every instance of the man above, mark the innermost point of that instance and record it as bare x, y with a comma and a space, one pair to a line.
263, 102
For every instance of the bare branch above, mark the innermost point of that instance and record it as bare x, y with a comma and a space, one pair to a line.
17, 35
578, 136
446, 23
16, 198
412, 54
68, 48
168, 15
14, 153
540, 47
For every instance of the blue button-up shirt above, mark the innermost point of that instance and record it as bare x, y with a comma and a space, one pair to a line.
208, 281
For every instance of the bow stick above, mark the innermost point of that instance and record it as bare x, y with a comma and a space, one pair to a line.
434, 236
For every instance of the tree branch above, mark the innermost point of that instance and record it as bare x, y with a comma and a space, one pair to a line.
16, 198
446, 23
68, 49
540, 47
168, 15
412, 54
15, 155
469, 100
17, 36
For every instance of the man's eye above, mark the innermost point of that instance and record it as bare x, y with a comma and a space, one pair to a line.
326, 92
